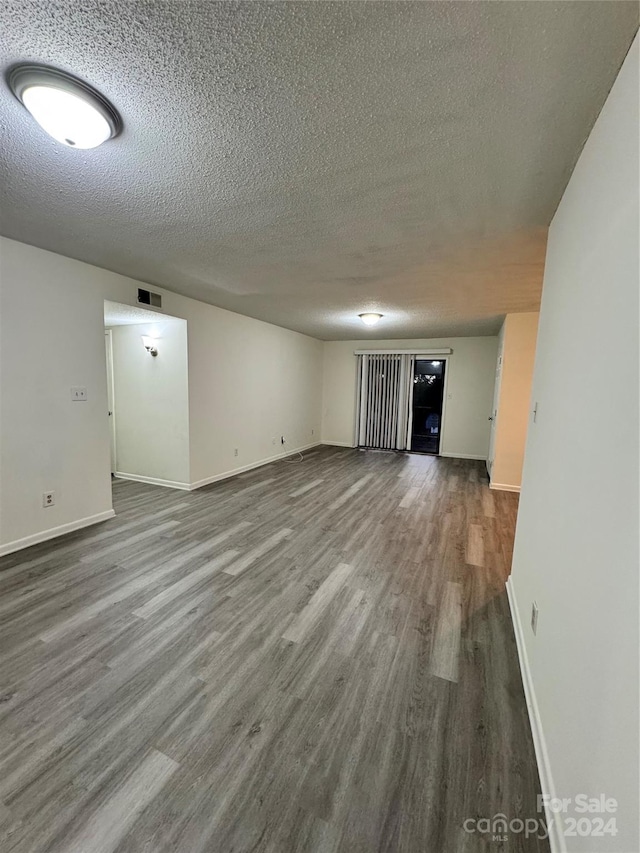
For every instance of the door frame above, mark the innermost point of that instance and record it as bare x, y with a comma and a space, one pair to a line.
495, 405
111, 397
436, 357
431, 354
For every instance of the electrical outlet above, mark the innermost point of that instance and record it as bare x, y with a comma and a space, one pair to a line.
235, 452
48, 498
78, 394
534, 618
312, 431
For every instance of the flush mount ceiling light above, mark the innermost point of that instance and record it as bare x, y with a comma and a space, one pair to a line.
370, 319
68, 109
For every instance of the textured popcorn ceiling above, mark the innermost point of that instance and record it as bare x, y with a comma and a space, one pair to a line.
302, 162
116, 314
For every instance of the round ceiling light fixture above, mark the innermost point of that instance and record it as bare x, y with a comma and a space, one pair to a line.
68, 109
370, 319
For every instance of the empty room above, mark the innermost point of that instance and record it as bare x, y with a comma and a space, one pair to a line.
319, 426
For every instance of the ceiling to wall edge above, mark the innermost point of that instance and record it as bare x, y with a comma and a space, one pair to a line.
122, 314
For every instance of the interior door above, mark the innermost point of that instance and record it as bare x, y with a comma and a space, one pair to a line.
108, 343
494, 414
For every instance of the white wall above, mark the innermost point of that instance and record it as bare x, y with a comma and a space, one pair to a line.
517, 347
249, 382
576, 550
151, 405
470, 379
51, 338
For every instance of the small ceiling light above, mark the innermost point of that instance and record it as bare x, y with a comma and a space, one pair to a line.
68, 109
370, 319
150, 345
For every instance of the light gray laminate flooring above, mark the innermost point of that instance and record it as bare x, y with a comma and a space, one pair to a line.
313, 656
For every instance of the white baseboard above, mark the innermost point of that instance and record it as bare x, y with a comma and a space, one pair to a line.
338, 444
464, 456
153, 481
556, 835
54, 532
504, 487
235, 471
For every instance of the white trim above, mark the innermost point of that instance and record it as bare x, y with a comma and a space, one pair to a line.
407, 438
495, 403
504, 487
358, 419
226, 474
338, 443
444, 351
464, 456
153, 481
54, 532
443, 410
556, 835
111, 398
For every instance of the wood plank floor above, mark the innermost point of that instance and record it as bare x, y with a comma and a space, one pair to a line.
314, 656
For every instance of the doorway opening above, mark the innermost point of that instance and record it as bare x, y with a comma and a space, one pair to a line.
427, 404
147, 395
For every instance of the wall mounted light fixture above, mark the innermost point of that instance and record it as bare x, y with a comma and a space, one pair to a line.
150, 345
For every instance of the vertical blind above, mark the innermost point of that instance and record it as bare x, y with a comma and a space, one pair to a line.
384, 396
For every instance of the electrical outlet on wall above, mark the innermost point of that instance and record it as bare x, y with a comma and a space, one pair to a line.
235, 451
48, 498
78, 394
534, 618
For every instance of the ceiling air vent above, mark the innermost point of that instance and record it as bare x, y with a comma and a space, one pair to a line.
146, 297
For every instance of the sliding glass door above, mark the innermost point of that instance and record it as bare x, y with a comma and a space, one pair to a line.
384, 389
428, 394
